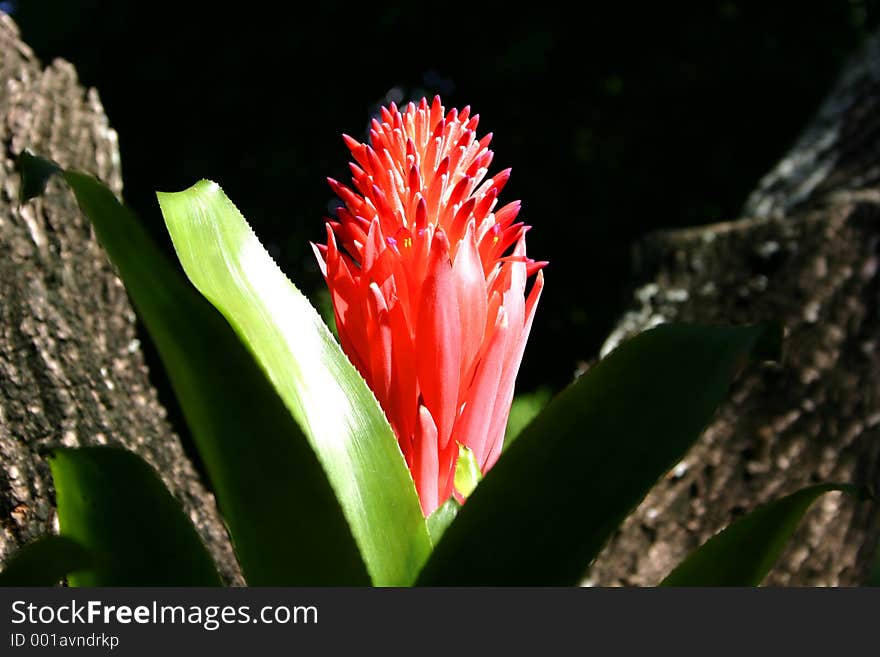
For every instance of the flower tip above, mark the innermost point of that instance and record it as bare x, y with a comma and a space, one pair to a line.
320, 251
444, 167
421, 213
440, 243
536, 267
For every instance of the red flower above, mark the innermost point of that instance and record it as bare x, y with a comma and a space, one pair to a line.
428, 286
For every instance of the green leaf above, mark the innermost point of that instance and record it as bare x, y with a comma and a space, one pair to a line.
439, 521
35, 173
549, 505
337, 411
285, 521
114, 504
45, 562
744, 552
524, 409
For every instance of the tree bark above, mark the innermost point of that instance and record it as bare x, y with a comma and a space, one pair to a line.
805, 254
71, 369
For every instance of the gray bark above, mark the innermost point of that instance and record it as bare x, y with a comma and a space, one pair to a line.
804, 253
71, 369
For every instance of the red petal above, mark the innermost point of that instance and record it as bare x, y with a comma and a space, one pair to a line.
421, 214
446, 475
484, 205
436, 112
505, 216
472, 298
461, 217
346, 307
380, 346
508, 378
458, 192
472, 428
426, 462
404, 397
438, 339
514, 301
373, 246
358, 150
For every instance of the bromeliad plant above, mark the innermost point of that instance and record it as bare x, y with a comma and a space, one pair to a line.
429, 305
362, 464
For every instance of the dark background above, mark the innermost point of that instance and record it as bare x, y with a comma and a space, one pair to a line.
617, 120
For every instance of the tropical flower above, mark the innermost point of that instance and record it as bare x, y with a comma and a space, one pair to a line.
428, 285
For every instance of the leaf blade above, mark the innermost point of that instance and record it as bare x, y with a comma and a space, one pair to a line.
439, 521
592, 455
339, 414
35, 174
285, 522
104, 496
45, 562
744, 552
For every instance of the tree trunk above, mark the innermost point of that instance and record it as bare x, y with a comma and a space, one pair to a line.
71, 368
806, 254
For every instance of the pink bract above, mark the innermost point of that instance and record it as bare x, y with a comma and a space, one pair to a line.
428, 285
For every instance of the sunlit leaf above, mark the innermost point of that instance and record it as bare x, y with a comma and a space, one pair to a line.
744, 552
114, 505
340, 416
439, 521
549, 505
524, 409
